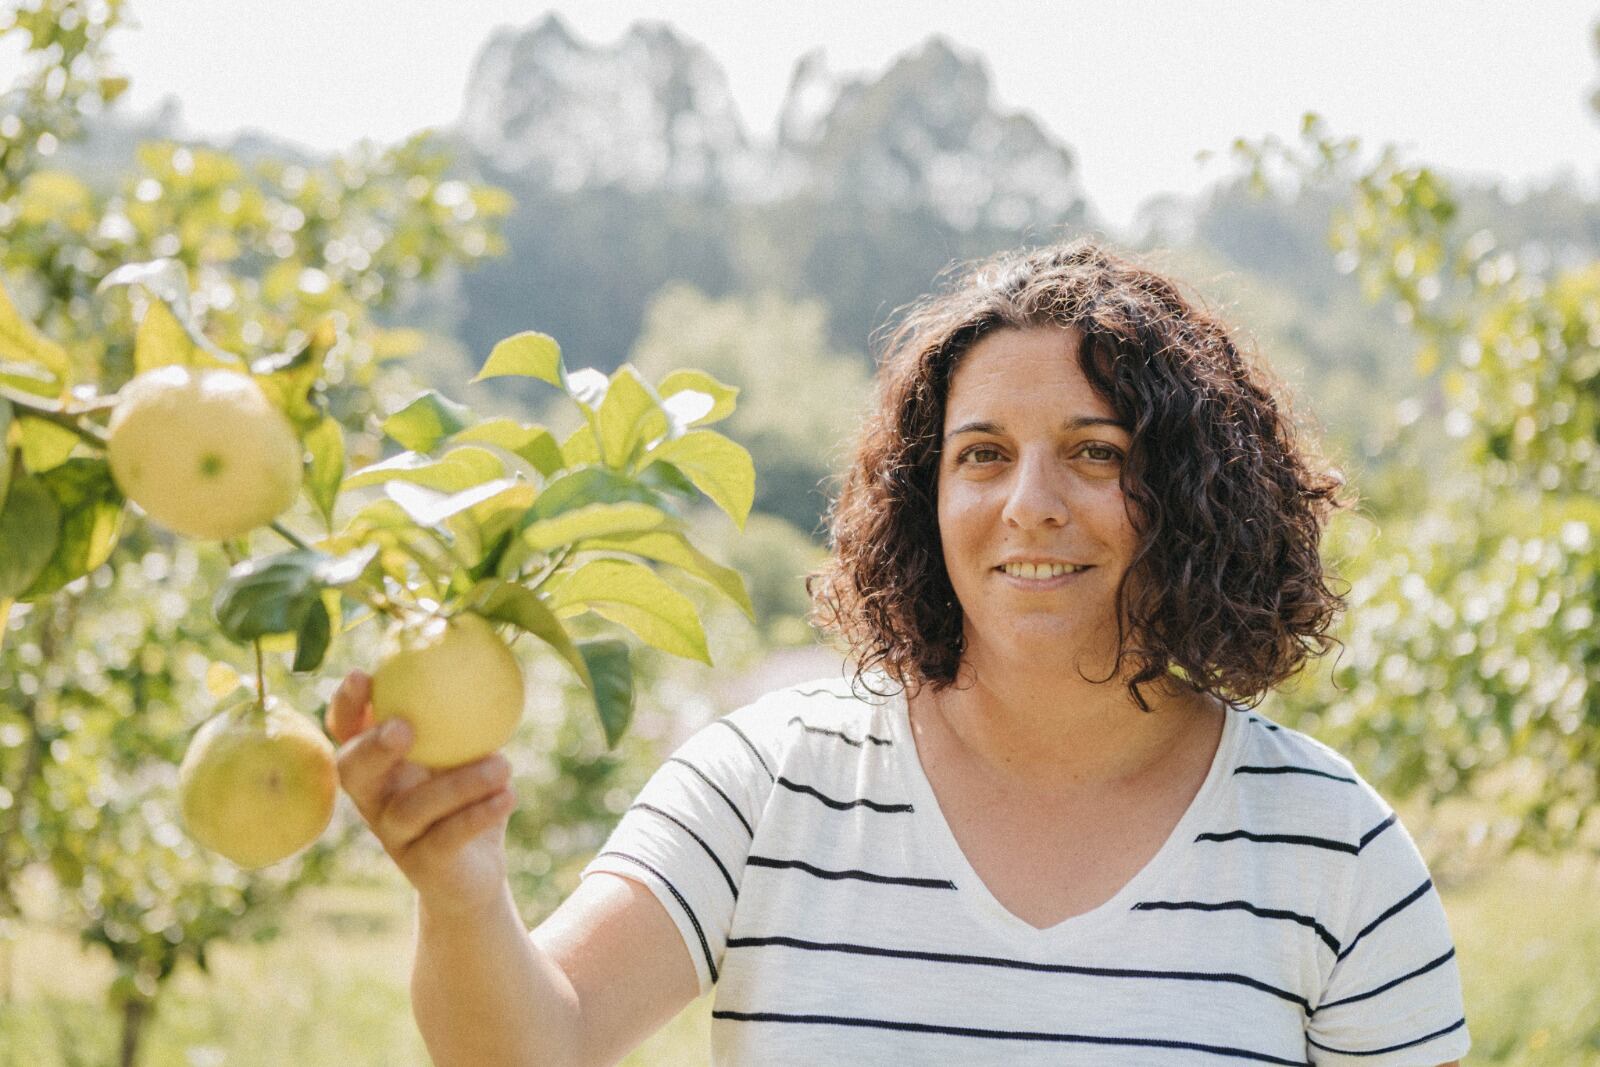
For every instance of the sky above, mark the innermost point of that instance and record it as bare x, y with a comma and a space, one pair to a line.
1135, 87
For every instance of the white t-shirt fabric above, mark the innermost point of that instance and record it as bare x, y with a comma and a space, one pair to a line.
799, 848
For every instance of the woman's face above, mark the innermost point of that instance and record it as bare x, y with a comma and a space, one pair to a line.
1029, 471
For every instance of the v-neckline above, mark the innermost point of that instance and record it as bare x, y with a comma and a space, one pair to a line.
935, 829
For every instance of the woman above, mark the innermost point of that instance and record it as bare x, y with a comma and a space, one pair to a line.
1077, 543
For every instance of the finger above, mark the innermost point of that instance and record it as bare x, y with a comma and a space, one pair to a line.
449, 835
408, 815
366, 761
349, 712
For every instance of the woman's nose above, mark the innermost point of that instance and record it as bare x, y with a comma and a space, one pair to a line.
1037, 494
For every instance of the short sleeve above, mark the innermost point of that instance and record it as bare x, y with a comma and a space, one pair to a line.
1393, 996
688, 832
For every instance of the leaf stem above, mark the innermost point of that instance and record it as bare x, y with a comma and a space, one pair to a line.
261, 675
566, 554
287, 534
67, 416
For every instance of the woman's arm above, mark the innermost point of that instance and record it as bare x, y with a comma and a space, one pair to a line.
603, 972
484, 993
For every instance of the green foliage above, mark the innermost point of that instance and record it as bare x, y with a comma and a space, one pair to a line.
772, 352
1473, 664
277, 270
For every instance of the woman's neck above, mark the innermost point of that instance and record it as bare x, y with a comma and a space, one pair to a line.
1051, 734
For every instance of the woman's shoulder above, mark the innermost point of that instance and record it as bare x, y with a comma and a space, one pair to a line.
1301, 766
854, 713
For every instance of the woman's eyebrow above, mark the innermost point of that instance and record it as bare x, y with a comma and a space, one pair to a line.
1076, 422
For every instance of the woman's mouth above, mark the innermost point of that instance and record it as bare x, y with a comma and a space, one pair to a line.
1040, 576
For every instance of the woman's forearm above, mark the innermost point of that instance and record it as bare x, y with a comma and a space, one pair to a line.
485, 995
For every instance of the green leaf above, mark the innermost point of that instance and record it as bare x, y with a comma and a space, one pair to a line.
533, 443
681, 382
22, 343
622, 416
669, 546
91, 522
667, 478
489, 524
611, 686
269, 596
289, 377
5, 452
591, 485
720, 468
426, 421
276, 594
168, 281
632, 595
592, 520
528, 355
311, 642
429, 507
30, 527
459, 468
29, 378
161, 341
580, 449
44, 444
522, 607
325, 442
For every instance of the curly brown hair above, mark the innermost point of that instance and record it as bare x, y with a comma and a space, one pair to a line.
1226, 585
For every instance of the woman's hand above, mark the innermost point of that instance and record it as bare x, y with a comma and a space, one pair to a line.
444, 829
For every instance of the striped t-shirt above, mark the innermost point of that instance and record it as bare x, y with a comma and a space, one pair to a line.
799, 848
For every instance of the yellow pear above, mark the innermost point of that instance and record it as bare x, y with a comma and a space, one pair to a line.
257, 784
203, 452
455, 682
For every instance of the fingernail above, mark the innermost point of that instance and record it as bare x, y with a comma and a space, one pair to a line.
396, 733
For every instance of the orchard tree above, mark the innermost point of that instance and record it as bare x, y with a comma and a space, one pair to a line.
1472, 668
148, 334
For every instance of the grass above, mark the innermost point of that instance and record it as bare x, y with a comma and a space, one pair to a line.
333, 989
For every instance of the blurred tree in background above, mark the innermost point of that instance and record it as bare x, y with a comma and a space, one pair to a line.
800, 401
1472, 660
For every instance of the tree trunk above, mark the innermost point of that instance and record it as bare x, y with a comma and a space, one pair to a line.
136, 1011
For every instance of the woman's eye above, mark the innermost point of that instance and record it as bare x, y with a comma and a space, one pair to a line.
977, 450
1107, 453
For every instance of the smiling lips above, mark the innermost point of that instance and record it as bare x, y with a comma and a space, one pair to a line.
1041, 571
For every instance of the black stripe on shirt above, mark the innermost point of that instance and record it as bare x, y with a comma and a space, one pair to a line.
1292, 770
840, 734
865, 876
1281, 839
1240, 905
751, 746
1003, 1035
1424, 969
842, 805
1367, 837
1458, 1024
1399, 906
711, 965
837, 696
700, 840
704, 777
1023, 965
1303, 839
